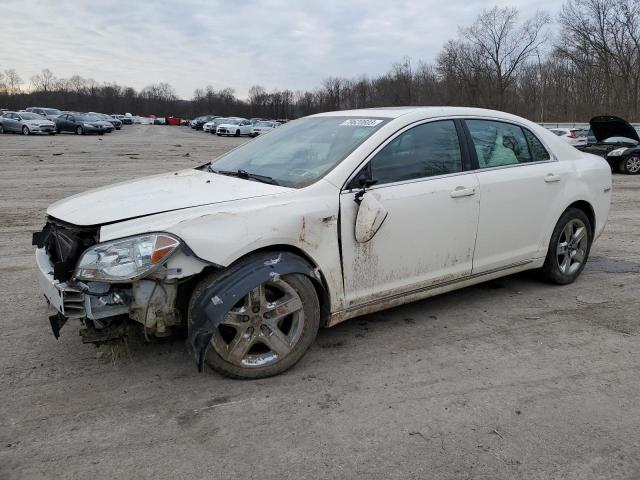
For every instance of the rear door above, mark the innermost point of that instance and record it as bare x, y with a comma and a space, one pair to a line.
519, 181
432, 205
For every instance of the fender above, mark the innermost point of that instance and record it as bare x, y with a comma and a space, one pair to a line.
219, 297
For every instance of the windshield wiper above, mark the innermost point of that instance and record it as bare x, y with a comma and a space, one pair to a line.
240, 173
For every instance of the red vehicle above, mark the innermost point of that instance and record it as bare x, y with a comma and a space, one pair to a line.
173, 121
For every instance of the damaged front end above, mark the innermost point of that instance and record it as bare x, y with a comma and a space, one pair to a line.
104, 285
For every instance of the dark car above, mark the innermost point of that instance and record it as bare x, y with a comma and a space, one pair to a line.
617, 142
117, 124
199, 122
82, 123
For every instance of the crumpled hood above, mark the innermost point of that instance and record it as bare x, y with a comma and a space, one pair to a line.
156, 194
607, 126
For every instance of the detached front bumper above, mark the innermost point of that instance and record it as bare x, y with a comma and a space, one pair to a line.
64, 301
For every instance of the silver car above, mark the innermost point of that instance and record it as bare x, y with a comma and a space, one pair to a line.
48, 113
26, 123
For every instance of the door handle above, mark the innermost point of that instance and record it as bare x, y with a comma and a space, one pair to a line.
462, 192
552, 178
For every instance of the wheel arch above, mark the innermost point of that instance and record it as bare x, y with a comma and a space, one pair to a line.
588, 210
319, 282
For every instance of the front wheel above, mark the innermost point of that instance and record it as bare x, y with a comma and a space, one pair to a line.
1, 129
569, 248
79, 131
25, 130
630, 165
267, 331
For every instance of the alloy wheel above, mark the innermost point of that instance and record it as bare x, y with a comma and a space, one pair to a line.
633, 165
572, 246
262, 328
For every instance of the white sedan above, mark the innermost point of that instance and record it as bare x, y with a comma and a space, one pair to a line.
573, 136
234, 126
326, 218
263, 126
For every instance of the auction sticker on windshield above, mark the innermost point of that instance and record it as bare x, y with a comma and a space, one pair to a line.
361, 122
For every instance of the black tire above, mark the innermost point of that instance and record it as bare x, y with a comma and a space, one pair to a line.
52, 133
237, 133
311, 307
57, 130
219, 134
1, 130
25, 130
630, 165
79, 130
551, 270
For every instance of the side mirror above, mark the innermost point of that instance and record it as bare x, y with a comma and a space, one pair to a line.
371, 215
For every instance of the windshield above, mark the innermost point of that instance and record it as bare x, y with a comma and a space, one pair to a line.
300, 152
52, 111
232, 121
86, 118
30, 116
264, 124
630, 141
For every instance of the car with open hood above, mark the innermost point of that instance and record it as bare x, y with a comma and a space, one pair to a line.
617, 142
27, 123
326, 218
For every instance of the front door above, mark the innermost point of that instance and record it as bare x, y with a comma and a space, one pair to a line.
432, 206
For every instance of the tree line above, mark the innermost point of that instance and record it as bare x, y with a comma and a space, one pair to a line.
590, 66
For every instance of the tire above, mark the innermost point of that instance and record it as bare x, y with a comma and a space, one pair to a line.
630, 165
566, 260
237, 133
219, 134
305, 332
52, 133
79, 130
1, 130
25, 130
57, 130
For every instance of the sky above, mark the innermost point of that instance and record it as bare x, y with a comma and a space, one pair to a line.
232, 43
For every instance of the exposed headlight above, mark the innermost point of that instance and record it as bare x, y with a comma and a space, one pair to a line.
617, 152
126, 259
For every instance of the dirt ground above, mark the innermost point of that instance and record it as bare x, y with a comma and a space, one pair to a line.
513, 379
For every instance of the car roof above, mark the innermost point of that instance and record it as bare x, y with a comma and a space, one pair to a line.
426, 112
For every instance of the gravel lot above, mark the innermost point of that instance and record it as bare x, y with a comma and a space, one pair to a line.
509, 379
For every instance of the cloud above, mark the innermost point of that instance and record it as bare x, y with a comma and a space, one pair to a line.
191, 44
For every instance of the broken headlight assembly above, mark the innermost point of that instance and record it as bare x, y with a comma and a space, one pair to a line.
126, 259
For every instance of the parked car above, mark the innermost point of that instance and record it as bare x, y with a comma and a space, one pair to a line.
117, 124
126, 120
576, 137
617, 142
326, 218
26, 123
82, 123
48, 113
262, 127
212, 125
234, 126
199, 122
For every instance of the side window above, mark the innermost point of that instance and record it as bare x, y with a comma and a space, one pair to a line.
498, 143
423, 151
538, 152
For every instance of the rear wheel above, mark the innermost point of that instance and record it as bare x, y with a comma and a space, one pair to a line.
1, 129
25, 130
630, 165
267, 331
569, 247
